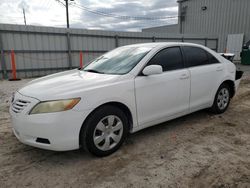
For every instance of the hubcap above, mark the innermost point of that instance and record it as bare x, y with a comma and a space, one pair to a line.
108, 132
223, 98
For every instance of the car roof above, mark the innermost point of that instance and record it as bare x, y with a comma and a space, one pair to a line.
163, 44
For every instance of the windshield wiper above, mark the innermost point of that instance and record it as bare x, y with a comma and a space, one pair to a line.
94, 71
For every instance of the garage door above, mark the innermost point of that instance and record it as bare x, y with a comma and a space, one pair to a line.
234, 45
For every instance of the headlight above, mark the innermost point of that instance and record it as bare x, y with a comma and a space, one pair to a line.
54, 106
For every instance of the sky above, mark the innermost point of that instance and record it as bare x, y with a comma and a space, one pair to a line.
118, 15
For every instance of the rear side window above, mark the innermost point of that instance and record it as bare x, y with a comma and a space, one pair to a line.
212, 59
195, 56
169, 59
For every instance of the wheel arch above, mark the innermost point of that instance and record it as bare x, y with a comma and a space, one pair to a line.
231, 85
120, 105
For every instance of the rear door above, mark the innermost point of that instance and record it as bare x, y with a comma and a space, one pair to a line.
206, 72
161, 96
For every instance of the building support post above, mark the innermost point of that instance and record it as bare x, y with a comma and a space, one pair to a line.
2, 60
205, 41
217, 45
69, 50
116, 41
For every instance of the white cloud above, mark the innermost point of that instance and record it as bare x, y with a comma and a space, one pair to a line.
52, 13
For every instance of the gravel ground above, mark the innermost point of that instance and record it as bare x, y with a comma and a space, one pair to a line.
198, 150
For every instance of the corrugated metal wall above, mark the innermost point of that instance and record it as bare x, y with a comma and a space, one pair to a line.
44, 50
222, 17
169, 28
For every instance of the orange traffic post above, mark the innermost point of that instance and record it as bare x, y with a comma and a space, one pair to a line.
13, 66
81, 59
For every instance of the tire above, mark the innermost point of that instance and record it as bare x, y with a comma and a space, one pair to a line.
104, 131
221, 100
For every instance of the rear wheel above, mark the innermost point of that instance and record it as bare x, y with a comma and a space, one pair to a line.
221, 100
105, 131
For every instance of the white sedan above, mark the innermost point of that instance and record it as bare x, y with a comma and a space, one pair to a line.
125, 90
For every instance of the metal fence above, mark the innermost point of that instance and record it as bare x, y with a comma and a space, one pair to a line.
44, 50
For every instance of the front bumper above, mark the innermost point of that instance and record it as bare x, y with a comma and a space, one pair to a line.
61, 129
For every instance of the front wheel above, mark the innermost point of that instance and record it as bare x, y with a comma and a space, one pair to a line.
105, 131
221, 100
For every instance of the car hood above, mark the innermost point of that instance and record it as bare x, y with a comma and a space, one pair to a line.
65, 84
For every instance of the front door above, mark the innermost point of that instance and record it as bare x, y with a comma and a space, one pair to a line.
161, 96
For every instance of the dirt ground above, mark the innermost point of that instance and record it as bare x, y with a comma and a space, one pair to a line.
198, 150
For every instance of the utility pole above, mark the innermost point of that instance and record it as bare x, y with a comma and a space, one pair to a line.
24, 17
67, 11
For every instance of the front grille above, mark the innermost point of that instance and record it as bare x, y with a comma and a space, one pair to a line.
19, 105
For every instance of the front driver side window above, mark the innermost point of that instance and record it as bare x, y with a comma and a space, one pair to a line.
169, 59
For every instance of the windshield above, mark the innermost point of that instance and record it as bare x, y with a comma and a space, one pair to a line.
118, 61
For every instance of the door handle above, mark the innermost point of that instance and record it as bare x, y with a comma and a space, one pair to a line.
184, 76
219, 68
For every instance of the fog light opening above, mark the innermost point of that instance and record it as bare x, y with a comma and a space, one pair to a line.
43, 140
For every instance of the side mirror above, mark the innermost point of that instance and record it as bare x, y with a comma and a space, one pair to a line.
152, 69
